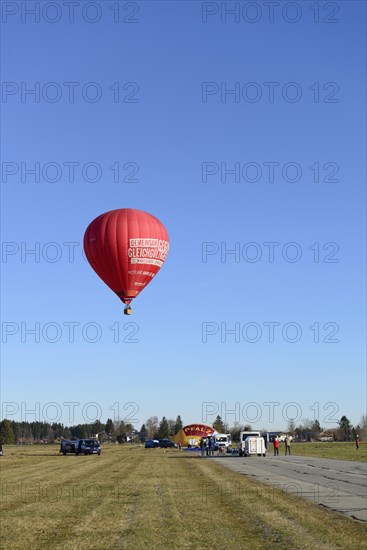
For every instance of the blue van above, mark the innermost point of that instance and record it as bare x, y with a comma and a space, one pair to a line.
88, 447
80, 446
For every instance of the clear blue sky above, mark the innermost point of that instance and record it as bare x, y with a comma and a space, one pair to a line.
176, 124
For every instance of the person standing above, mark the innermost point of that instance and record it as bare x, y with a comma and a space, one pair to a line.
357, 441
287, 442
207, 448
211, 446
276, 446
209, 440
202, 446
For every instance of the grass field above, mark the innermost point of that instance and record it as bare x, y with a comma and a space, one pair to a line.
131, 497
337, 450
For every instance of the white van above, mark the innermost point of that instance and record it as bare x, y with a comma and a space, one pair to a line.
222, 441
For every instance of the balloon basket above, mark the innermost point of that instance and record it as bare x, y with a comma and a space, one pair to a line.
128, 310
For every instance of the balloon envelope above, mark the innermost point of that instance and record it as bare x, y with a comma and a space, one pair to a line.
126, 248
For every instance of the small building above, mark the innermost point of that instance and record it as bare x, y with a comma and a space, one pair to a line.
325, 436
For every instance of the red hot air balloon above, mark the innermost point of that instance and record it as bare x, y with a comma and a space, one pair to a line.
126, 248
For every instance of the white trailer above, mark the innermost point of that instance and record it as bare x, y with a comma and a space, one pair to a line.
243, 436
254, 446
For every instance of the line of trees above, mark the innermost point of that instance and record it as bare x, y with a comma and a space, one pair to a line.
311, 430
12, 432
43, 432
167, 427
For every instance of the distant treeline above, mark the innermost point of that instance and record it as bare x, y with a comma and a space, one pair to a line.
44, 432
36, 432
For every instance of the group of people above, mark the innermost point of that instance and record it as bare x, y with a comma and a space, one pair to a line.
207, 445
287, 443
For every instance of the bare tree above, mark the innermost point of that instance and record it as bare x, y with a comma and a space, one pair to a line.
152, 426
171, 426
226, 427
236, 430
306, 423
291, 427
363, 425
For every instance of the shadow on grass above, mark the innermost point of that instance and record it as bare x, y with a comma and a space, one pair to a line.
184, 457
25, 455
216, 457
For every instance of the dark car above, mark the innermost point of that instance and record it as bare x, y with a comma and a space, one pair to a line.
68, 446
88, 447
150, 444
166, 443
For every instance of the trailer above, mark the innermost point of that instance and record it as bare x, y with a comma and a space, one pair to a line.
243, 436
254, 446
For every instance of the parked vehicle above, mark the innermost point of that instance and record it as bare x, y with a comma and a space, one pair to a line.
88, 447
243, 436
222, 441
254, 446
150, 444
68, 446
80, 446
166, 443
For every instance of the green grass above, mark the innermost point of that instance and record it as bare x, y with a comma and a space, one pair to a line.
337, 450
135, 498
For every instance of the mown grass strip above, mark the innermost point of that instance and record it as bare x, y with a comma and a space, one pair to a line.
337, 450
132, 498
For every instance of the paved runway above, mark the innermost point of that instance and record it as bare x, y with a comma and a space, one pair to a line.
337, 484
